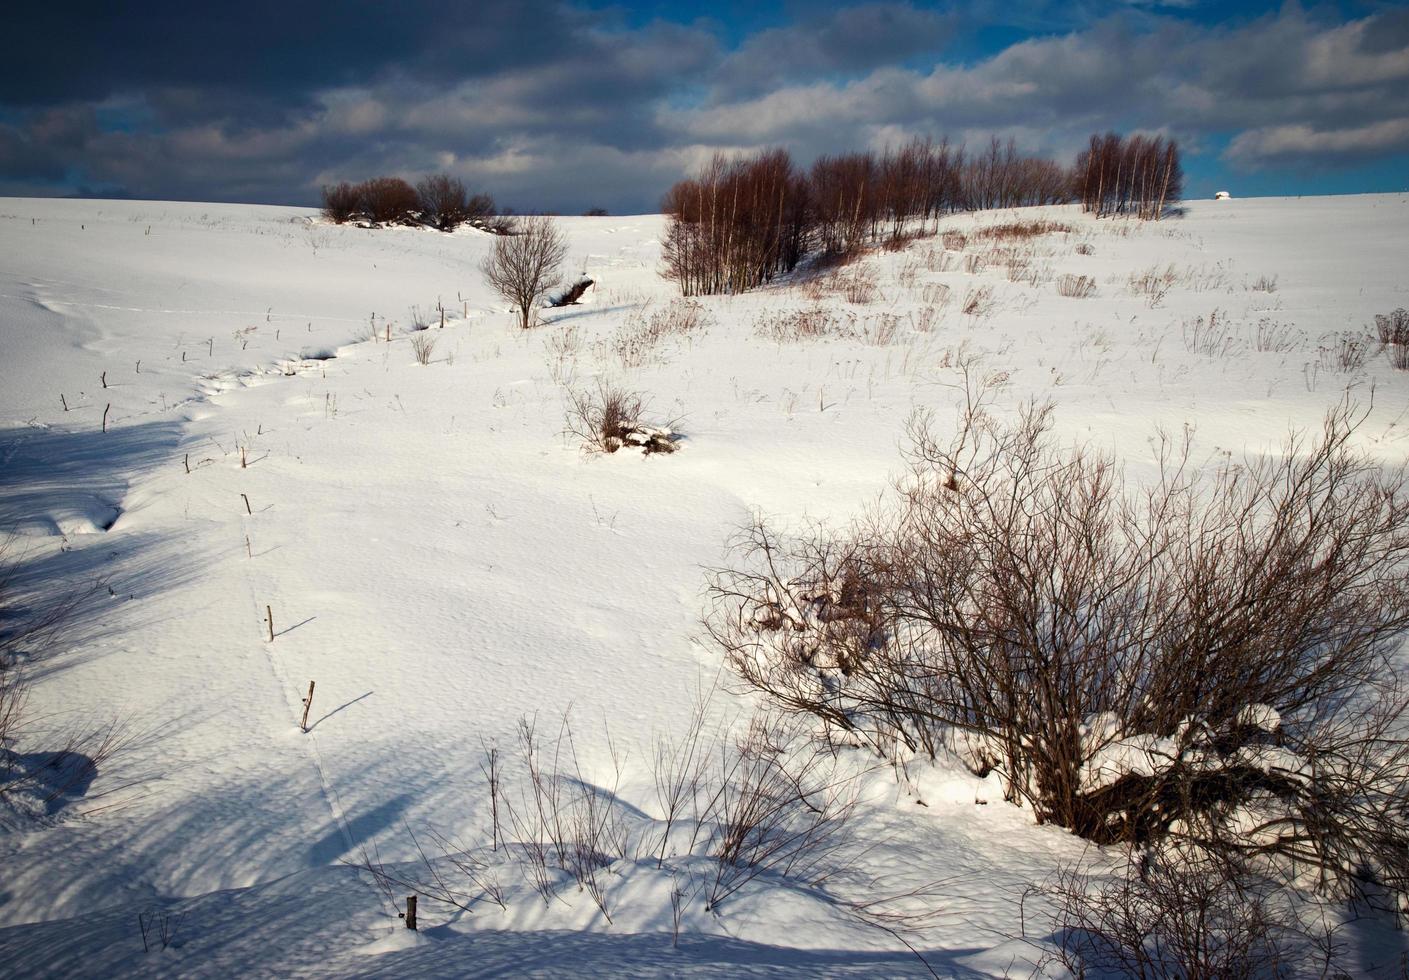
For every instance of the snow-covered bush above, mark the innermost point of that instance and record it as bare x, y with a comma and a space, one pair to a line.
1207, 658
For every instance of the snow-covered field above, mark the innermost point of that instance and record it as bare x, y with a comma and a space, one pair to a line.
442, 561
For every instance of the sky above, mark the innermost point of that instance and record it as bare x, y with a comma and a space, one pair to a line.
562, 107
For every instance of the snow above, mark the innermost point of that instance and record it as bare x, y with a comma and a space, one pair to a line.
442, 561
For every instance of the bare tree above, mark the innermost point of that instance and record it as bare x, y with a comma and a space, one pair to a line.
525, 267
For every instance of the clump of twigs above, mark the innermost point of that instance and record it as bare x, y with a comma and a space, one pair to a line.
1076, 287
423, 346
609, 418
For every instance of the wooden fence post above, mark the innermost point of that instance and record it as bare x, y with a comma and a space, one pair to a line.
410, 911
307, 703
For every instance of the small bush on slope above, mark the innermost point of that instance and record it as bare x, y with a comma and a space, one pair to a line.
388, 200
609, 418
446, 204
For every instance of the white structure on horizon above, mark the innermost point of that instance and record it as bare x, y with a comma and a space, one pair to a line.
1222, 196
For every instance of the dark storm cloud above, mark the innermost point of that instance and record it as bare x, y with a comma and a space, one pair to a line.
269, 50
550, 106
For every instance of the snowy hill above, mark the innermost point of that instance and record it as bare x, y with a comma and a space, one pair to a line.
216, 411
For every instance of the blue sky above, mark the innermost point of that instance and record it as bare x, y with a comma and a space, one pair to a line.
554, 106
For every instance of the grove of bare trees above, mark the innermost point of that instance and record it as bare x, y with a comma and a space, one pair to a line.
741, 222
1139, 176
440, 201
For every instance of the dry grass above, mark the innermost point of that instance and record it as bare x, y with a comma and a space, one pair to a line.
639, 338
935, 293
794, 326
1021, 230
978, 301
1271, 337
1211, 336
1076, 287
1345, 352
423, 346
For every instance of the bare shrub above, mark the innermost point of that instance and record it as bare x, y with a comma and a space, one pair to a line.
780, 805
446, 204
935, 293
341, 202
909, 273
609, 418
388, 200
1207, 658
1034, 274
1153, 283
857, 286
1076, 287
423, 346
1393, 328
526, 266
1393, 331
927, 318
1264, 284
1179, 914
1085, 248
954, 241
941, 261
505, 223
563, 347
880, 330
